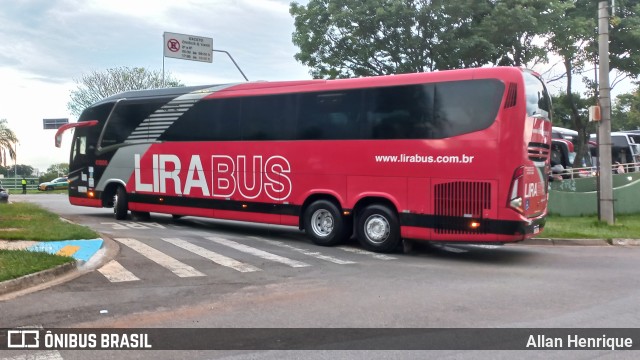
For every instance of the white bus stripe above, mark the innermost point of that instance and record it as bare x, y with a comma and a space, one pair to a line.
316, 255
213, 256
115, 272
160, 258
368, 253
259, 253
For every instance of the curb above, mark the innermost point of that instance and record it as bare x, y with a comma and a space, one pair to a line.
564, 242
59, 274
38, 278
582, 242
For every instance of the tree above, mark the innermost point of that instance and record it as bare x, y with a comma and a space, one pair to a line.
8, 141
625, 114
346, 38
574, 39
96, 86
23, 170
54, 171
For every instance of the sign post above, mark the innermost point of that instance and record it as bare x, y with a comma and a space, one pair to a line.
190, 47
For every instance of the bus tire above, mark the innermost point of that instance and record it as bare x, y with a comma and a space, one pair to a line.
176, 217
324, 224
378, 228
120, 204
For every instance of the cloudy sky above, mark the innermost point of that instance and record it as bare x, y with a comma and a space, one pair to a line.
46, 44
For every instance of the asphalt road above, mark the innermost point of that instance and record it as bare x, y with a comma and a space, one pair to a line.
205, 273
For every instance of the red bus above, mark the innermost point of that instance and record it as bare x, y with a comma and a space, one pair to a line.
451, 156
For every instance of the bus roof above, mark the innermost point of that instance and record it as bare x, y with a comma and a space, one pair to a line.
266, 87
151, 93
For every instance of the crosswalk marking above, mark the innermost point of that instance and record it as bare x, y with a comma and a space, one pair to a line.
213, 256
259, 253
368, 253
160, 258
37, 355
115, 272
314, 254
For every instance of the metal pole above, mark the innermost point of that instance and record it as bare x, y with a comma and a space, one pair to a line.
163, 45
15, 161
234, 62
604, 147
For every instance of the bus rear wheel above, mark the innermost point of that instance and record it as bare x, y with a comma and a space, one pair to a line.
120, 204
378, 228
324, 224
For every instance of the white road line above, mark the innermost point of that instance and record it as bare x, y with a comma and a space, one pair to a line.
316, 255
259, 253
160, 258
368, 253
213, 256
37, 355
115, 272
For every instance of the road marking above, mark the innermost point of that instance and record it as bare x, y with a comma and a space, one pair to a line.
68, 250
35, 354
115, 272
179, 268
213, 256
368, 253
259, 253
314, 254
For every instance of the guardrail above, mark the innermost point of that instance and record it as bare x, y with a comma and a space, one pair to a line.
16, 183
573, 173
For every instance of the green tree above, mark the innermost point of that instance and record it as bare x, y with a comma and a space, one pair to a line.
625, 114
96, 86
8, 141
54, 171
346, 38
574, 39
23, 170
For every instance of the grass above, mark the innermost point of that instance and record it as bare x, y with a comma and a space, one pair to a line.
589, 227
18, 192
26, 221
17, 263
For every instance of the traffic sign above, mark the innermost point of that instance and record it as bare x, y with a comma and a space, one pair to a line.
188, 47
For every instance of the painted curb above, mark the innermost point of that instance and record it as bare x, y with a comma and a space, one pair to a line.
38, 278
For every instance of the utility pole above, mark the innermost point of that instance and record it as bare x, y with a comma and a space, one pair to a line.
604, 130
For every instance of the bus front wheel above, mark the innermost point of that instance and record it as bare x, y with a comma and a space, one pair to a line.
324, 223
120, 204
378, 228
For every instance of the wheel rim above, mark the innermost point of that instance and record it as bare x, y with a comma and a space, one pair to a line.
115, 204
377, 229
322, 223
